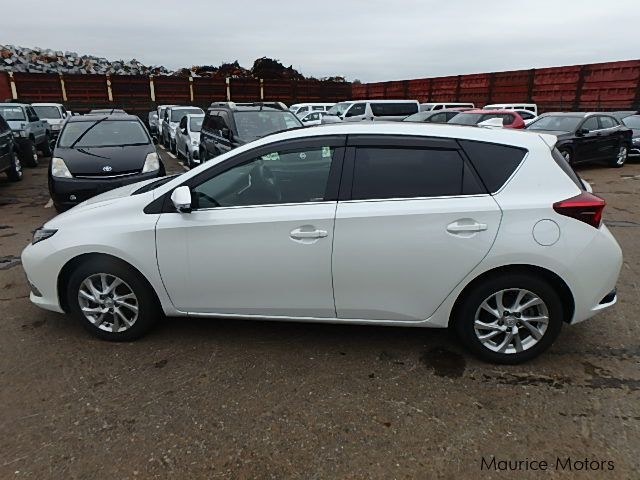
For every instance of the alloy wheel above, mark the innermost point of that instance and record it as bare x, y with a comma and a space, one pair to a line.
34, 153
511, 321
108, 302
622, 155
17, 165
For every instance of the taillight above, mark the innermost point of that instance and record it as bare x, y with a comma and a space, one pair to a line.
585, 207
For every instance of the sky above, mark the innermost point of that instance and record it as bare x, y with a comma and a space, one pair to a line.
369, 40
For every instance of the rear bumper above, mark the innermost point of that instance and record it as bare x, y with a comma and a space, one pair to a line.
69, 192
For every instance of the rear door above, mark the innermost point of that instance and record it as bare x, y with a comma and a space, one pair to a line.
412, 222
609, 137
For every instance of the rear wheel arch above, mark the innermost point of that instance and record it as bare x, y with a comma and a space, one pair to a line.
74, 263
568, 302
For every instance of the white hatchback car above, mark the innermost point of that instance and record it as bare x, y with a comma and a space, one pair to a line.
489, 231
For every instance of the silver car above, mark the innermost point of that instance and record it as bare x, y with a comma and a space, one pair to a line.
170, 121
188, 138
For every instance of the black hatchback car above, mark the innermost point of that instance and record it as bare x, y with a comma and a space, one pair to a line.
97, 153
586, 137
227, 125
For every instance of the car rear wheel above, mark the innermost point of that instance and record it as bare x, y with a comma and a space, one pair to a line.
14, 172
510, 318
112, 300
567, 154
46, 146
29, 154
621, 157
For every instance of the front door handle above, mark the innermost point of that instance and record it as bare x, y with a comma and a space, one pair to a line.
460, 227
300, 234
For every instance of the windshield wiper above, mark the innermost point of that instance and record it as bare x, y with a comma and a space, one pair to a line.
87, 131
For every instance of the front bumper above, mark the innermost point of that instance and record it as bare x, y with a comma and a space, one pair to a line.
68, 192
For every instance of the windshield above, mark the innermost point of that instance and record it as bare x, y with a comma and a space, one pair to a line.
47, 111
417, 117
12, 113
467, 118
553, 123
632, 122
195, 124
339, 108
257, 124
108, 133
176, 115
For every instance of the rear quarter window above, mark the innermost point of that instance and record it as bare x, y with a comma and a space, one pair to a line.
494, 163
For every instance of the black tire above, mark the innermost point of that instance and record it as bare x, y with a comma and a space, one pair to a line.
148, 308
567, 153
14, 172
29, 154
173, 147
469, 306
189, 158
203, 155
621, 156
46, 146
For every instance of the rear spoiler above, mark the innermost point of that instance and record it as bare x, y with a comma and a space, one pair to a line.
550, 140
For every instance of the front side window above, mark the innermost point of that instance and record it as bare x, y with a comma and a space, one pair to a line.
381, 173
339, 108
12, 113
357, 109
590, 124
293, 176
32, 115
195, 124
103, 133
302, 110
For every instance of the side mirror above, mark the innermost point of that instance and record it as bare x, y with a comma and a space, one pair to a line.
181, 198
226, 133
582, 131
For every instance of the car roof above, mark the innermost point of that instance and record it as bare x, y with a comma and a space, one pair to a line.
377, 100
15, 104
485, 112
100, 116
246, 108
182, 107
46, 104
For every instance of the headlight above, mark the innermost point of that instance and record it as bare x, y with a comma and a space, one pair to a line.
151, 163
59, 168
42, 234
20, 133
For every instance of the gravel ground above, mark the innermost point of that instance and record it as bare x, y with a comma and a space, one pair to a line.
238, 399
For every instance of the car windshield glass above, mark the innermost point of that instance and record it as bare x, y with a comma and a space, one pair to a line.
176, 115
195, 124
47, 111
12, 113
109, 133
417, 117
257, 124
158, 183
467, 118
632, 122
553, 123
339, 108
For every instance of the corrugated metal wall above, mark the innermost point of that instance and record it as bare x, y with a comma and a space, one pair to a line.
599, 86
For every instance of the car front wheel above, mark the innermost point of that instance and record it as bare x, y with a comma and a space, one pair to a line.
14, 172
112, 300
29, 154
510, 318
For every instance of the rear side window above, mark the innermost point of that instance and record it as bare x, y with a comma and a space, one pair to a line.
566, 168
608, 122
494, 163
409, 173
393, 109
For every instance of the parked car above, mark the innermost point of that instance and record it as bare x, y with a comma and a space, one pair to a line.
188, 138
160, 110
228, 125
29, 131
152, 119
107, 111
95, 154
432, 116
9, 159
55, 115
170, 121
301, 109
373, 110
531, 107
587, 137
428, 107
381, 224
510, 119
631, 120
312, 118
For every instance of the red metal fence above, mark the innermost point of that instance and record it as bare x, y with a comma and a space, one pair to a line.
599, 86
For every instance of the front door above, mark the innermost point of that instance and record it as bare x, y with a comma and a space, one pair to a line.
417, 223
259, 239
588, 144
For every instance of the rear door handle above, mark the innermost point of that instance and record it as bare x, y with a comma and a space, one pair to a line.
300, 234
458, 227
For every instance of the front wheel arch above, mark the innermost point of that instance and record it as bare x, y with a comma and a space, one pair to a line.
71, 265
568, 302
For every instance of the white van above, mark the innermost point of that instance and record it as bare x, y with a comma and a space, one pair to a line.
372, 110
531, 107
303, 108
428, 107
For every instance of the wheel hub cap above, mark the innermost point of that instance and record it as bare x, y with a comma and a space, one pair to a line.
108, 302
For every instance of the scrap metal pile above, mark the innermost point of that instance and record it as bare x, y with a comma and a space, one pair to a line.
39, 60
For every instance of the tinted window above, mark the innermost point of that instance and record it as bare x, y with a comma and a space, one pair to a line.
494, 163
608, 122
256, 124
357, 109
438, 118
280, 177
32, 115
410, 173
526, 115
590, 124
507, 119
400, 109
215, 123
107, 133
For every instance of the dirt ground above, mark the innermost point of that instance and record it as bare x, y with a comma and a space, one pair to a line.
237, 399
